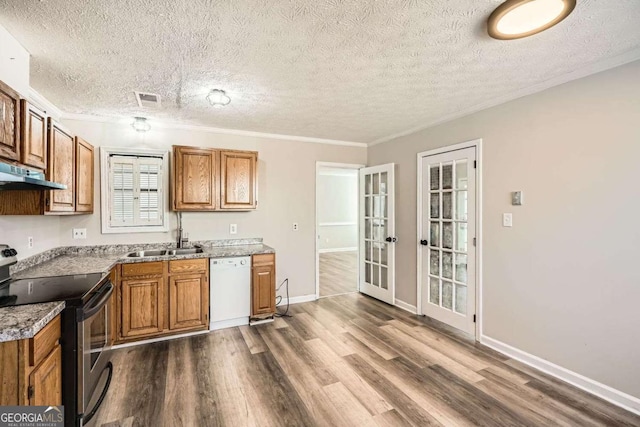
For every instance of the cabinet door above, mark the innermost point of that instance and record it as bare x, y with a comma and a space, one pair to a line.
188, 301
194, 179
238, 180
34, 136
142, 306
9, 123
61, 168
263, 290
84, 176
46, 381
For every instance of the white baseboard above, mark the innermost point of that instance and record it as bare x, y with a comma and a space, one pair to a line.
406, 306
610, 394
230, 323
297, 300
152, 340
329, 250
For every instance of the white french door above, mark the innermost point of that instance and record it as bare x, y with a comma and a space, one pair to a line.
377, 232
448, 253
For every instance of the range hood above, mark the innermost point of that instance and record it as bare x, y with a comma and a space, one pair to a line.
16, 178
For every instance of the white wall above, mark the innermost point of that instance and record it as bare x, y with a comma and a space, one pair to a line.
563, 283
286, 195
337, 209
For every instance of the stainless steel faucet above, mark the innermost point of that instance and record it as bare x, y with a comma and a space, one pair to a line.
181, 239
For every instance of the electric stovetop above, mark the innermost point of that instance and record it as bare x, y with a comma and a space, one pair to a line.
74, 290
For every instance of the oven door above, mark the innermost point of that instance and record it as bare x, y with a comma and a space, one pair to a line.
94, 367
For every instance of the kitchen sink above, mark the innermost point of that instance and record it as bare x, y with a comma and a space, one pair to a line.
165, 252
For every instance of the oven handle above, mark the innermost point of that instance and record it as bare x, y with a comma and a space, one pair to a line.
94, 306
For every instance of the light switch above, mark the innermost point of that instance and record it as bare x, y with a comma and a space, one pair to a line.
517, 198
507, 220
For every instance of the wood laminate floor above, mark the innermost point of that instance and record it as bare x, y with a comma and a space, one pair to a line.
341, 361
338, 273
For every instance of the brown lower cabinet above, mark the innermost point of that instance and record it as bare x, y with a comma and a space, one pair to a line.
162, 298
263, 285
31, 369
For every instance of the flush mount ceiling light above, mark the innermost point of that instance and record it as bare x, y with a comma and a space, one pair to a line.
515, 19
140, 124
218, 98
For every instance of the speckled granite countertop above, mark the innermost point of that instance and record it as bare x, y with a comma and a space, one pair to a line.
25, 321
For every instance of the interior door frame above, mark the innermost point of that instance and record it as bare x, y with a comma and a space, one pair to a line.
319, 167
477, 144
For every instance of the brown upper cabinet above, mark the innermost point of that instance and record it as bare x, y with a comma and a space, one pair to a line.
33, 138
84, 176
207, 179
194, 179
238, 183
61, 168
9, 123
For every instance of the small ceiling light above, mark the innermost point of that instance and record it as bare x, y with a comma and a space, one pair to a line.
218, 98
140, 124
515, 19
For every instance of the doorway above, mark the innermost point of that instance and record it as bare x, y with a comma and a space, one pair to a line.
336, 229
448, 235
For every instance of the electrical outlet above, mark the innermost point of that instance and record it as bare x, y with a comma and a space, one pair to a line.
233, 228
295, 226
30, 242
79, 233
507, 220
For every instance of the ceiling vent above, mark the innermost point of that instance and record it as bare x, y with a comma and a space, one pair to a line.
149, 100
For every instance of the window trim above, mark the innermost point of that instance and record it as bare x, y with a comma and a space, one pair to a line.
105, 202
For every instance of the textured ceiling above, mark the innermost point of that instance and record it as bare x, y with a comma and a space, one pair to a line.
348, 70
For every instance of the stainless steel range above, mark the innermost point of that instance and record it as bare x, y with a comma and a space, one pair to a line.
86, 331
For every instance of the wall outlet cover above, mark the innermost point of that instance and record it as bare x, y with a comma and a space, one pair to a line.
233, 228
517, 198
30, 242
295, 226
507, 220
79, 233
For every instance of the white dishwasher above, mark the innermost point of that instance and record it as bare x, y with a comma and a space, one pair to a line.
230, 292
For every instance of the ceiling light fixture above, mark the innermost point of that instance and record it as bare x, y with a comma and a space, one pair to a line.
515, 19
218, 98
140, 124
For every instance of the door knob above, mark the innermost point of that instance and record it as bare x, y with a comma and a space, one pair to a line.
424, 242
391, 239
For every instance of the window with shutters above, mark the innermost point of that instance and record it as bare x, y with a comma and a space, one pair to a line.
133, 191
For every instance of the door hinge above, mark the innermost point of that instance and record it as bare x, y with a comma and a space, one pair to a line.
474, 318
30, 392
474, 241
475, 164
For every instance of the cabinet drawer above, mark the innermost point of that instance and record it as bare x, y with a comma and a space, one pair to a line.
142, 269
263, 259
44, 341
188, 265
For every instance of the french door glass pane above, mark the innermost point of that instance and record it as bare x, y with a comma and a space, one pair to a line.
367, 228
461, 205
376, 183
367, 251
461, 237
447, 295
367, 206
434, 291
434, 173
383, 183
377, 211
461, 175
434, 238
384, 255
383, 278
376, 275
434, 264
461, 299
435, 205
447, 235
461, 268
447, 206
367, 185
447, 265
376, 255
447, 177
367, 272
